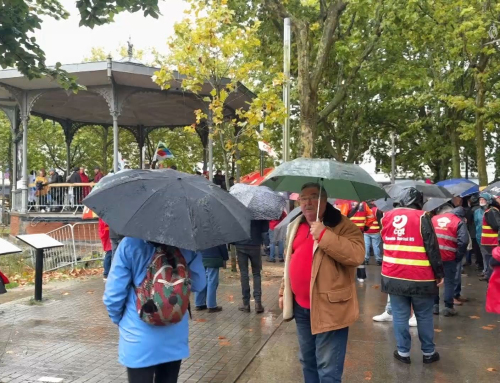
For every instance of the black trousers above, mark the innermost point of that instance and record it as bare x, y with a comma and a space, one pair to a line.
476, 249
161, 373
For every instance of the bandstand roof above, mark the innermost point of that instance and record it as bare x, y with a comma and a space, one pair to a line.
130, 91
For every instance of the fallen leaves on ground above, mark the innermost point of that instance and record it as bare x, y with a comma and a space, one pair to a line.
90, 292
492, 325
9, 352
222, 337
491, 369
469, 284
250, 329
66, 293
438, 330
375, 287
224, 343
201, 320
487, 328
368, 375
459, 337
474, 317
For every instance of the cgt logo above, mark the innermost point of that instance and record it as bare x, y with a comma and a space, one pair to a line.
399, 224
443, 222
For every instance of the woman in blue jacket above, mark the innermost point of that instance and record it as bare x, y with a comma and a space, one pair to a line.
213, 260
150, 353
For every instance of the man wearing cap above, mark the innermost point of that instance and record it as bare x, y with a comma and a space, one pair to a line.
97, 174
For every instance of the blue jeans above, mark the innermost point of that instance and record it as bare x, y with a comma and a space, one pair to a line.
458, 280
273, 246
401, 309
108, 258
322, 355
208, 296
373, 240
450, 274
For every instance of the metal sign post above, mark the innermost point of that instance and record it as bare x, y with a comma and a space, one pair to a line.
39, 242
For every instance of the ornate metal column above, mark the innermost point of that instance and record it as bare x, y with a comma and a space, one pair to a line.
69, 129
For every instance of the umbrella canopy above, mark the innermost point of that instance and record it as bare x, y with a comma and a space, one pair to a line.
254, 178
385, 204
263, 203
428, 190
453, 186
493, 188
341, 180
169, 207
462, 189
434, 203
280, 229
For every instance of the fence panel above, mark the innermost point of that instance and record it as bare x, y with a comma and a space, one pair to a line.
88, 245
60, 256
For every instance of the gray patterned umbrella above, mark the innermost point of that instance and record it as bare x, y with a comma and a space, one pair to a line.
263, 203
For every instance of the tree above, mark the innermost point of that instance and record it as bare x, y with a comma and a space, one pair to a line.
20, 20
211, 47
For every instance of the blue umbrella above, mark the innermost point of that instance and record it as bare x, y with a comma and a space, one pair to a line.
459, 184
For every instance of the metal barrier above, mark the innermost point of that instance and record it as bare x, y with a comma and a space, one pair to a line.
88, 246
17, 199
81, 244
59, 197
60, 256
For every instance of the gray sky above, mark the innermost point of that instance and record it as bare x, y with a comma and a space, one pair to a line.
66, 42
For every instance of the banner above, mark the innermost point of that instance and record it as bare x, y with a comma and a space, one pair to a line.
162, 152
265, 147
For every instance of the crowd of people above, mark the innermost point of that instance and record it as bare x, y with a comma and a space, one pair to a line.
326, 249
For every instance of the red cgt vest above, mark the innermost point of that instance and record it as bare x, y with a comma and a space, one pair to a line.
489, 237
374, 228
404, 252
446, 228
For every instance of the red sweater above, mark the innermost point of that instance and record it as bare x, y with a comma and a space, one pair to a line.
275, 222
301, 265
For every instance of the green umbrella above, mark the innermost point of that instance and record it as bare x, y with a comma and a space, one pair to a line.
341, 180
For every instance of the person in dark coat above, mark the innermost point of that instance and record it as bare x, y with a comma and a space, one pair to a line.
213, 260
249, 251
469, 215
97, 174
77, 190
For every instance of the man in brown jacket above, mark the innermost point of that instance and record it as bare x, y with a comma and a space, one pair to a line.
318, 287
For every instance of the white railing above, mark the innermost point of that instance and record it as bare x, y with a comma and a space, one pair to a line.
61, 197
81, 244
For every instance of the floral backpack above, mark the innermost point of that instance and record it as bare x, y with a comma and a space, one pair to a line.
163, 296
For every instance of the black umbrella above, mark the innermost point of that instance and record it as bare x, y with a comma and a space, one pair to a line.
428, 190
280, 229
494, 189
385, 204
169, 207
434, 203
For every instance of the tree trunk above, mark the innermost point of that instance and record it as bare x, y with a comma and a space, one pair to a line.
455, 151
226, 162
480, 145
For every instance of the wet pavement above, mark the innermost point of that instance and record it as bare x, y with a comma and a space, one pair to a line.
468, 344
70, 337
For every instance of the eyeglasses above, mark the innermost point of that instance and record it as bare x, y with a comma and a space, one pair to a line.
313, 198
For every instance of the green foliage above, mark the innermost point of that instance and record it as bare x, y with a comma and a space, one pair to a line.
21, 20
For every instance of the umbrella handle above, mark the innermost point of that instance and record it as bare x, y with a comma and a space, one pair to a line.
320, 182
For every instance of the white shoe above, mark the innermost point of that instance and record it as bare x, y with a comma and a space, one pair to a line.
413, 321
360, 280
384, 317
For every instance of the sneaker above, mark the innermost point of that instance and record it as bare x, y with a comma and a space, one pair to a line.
215, 309
435, 310
461, 299
384, 317
367, 262
483, 279
271, 260
200, 308
449, 312
282, 259
379, 263
413, 321
360, 280
431, 358
105, 279
403, 359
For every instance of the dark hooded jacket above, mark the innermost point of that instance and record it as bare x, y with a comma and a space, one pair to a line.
462, 233
493, 217
414, 288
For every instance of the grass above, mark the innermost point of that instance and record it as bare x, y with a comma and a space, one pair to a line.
4, 230
11, 285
